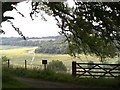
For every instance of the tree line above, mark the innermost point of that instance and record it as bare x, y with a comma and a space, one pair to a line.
57, 46
13, 41
51, 45
17, 41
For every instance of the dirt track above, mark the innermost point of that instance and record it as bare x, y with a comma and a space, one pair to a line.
40, 83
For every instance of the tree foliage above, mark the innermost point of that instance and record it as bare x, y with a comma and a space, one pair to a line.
91, 27
53, 46
7, 6
4, 60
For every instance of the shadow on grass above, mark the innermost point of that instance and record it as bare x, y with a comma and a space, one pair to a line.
8, 80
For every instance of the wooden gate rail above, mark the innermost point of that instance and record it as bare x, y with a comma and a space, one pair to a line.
95, 70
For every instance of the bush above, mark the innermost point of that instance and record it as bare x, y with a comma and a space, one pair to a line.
4, 60
56, 66
90, 64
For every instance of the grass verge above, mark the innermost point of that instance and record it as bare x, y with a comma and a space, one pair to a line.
65, 77
8, 80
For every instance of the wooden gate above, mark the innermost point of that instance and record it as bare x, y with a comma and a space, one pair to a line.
95, 70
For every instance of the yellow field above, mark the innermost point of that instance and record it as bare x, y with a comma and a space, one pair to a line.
19, 55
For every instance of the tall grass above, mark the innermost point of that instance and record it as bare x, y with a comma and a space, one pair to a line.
8, 81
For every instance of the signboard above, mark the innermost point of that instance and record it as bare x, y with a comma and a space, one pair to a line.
44, 61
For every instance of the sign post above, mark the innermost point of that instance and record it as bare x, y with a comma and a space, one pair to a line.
25, 64
8, 63
45, 64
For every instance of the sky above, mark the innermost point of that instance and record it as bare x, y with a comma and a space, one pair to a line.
29, 27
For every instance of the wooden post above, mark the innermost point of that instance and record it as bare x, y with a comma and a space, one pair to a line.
25, 64
8, 63
74, 68
45, 66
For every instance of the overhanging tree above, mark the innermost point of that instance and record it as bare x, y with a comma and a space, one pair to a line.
7, 6
91, 27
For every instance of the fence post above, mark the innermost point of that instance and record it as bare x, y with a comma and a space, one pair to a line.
25, 64
74, 68
8, 63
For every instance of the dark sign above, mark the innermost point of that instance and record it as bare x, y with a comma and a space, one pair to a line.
44, 61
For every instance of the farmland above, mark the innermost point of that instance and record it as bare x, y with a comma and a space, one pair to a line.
17, 55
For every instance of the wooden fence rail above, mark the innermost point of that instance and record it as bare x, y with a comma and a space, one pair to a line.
27, 65
95, 70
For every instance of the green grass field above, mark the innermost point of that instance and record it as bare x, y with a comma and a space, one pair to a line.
18, 55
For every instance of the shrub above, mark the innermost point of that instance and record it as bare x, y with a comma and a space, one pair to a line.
4, 60
56, 66
90, 64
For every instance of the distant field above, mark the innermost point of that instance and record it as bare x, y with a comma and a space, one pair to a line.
40, 39
17, 56
5, 47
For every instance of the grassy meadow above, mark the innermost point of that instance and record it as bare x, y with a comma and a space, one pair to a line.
18, 55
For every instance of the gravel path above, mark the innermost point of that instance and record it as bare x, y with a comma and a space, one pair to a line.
40, 83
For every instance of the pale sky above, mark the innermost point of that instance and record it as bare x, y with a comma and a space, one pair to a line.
35, 28
29, 28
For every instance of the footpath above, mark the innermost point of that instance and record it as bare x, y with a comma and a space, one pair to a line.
40, 83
